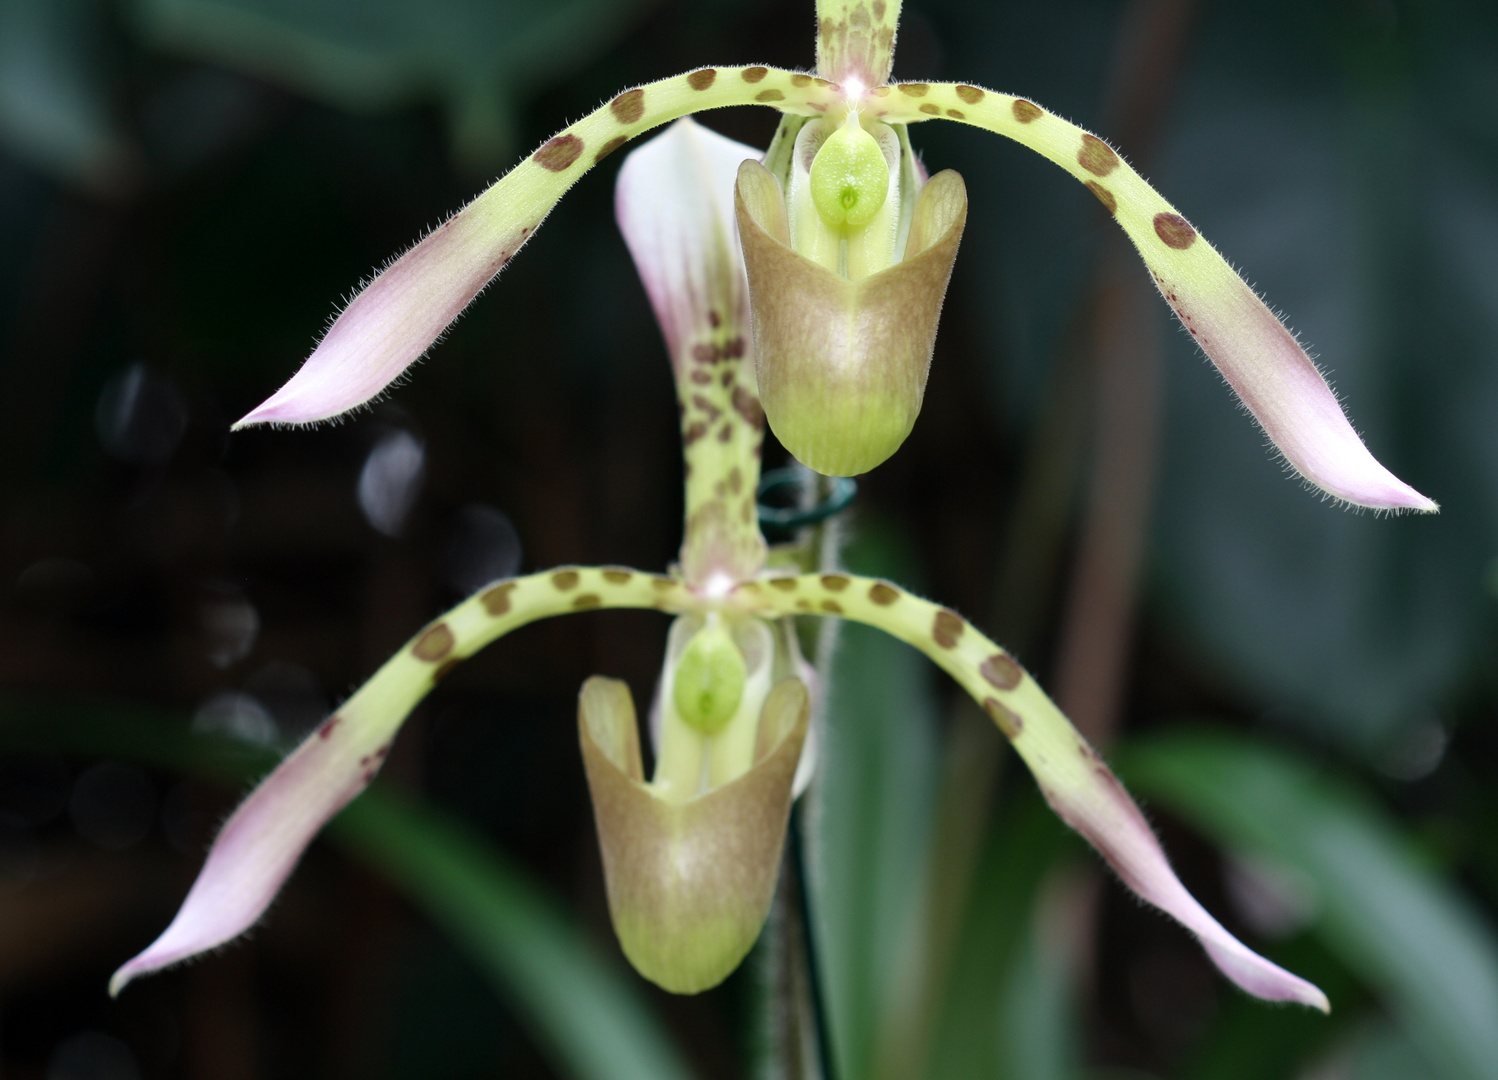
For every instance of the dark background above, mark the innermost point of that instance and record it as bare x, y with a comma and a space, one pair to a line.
188, 188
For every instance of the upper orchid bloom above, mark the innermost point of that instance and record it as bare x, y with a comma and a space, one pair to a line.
842, 364
691, 855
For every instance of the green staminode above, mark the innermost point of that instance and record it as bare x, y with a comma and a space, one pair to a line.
849, 177
710, 676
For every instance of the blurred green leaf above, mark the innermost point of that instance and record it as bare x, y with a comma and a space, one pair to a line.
473, 56
867, 821
55, 104
595, 1024
1385, 1052
582, 1010
1365, 208
1008, 1007
1385, 913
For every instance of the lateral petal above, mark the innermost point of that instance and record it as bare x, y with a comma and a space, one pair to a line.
392, 322
1075, 781
262, 841
1256, 354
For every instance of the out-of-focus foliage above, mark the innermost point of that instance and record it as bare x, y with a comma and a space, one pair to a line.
580, 1005
1387, 914
474, 57
57, 107
188, 187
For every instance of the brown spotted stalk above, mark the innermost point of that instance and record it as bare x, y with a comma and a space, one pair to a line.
806, 285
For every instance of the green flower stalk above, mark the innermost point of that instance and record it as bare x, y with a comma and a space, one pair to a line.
804, 285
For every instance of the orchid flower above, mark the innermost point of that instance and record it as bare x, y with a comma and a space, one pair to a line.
803, 287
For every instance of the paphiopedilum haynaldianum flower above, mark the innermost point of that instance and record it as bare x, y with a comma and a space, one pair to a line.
810, 283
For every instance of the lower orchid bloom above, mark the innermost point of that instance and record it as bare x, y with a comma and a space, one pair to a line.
802, 287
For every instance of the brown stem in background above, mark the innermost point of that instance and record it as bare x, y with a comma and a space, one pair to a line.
1097, 625
1107, 381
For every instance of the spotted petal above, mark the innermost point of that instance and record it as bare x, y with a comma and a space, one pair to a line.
399, 314
1075, 781
263, 840
1256, 354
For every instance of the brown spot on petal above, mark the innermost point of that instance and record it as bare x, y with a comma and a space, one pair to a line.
725, 433
784, 584
704, 353
433, 645
832, 607
629, 106
609, 147
1175, 231
496, 600
769, 95
1008, 720
618, 577
563, 580
878, 10
328, 726
930, 109
957, 114
693, 432
1002, 671
755, 74
947, 627
1026, 112
914, 89
661, 581
701, 80
1096, 156
1104, 196
706, 406
970, 94
559, 154
587, 600
700, 377
445, 669
798, 79
835, 582
882, 594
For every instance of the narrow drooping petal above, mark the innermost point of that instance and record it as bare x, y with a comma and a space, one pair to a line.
1082, 790
1252, 349
1087, 796
398, 316
674, 203
262, 841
